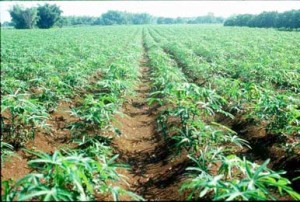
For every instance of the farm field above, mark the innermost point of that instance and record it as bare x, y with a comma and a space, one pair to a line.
157, 112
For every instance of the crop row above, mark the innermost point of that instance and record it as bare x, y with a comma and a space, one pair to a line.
37, 75
272, 110
216, 172
87, 171
256, 99
260, 56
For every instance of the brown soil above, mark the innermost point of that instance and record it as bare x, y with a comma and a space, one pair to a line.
14, 168
57, 137
155, 173
46, 141
267, 146
263, 145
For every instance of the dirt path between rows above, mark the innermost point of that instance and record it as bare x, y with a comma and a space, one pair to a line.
156, 172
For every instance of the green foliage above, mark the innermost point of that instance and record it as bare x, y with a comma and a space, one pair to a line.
48, 15
236, 180
69, 175
189, 118
280, 113
198, 74
114, 18
251, 87
23, 18
97, 111
38, 79
38, 76
6, 151
287, 19
23, 117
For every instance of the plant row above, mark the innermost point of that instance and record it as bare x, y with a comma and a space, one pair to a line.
257, 100
187, 121
37, 75
88, 171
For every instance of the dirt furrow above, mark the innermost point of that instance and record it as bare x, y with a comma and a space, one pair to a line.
156, 173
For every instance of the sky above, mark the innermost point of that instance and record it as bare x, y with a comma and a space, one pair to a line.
158, 8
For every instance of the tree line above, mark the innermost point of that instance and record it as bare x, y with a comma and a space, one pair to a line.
44, 16
47, 16
122, 18
288, 20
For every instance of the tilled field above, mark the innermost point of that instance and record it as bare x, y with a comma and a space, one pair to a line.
152, 112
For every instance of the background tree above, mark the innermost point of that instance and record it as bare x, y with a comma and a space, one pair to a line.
48, 15
23, 18
142, 18
181, 20
165, 20
287, 20
7, 24
241, 20
98, 21
209, 18
113, 18
266, 19
78, 21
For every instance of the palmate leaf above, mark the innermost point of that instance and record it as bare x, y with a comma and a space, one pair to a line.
6, 194
4, 104
7, 150
195, 160
228, 163
117, 191
247, 169
38, 161
60, 195
195, 169
264, 189
152, 100
45, 193
133, 195
32, 178
232, 193
111, 160
204, 192
78, 184
297, 178
44, 158
292, 193
36, 194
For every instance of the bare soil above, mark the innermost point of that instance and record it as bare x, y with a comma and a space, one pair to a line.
263, 144
57, 137
47, 141
267, 146
156, 172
